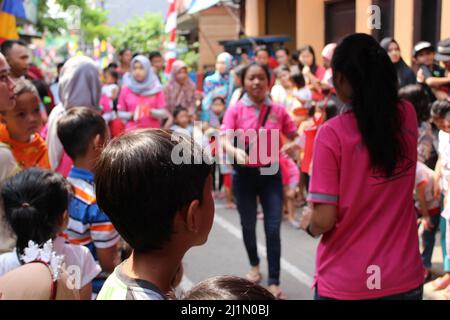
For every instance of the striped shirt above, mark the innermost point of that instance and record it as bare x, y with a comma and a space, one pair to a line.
88, 225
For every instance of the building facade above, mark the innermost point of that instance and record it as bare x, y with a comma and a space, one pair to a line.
318, 22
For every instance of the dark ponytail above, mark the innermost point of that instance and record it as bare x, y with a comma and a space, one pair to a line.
373, 78
35, 201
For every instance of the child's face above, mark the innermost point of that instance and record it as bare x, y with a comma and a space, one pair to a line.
262, 57
285, 79
7, 100
442, 124
425, 57
218, 107
25, 119
182, 119
158, 63
109, 79
139, 72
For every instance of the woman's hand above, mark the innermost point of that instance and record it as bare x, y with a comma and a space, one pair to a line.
241, 156
305, 220
427, 224
420, 76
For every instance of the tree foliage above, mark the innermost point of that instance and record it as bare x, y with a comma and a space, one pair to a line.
93, 20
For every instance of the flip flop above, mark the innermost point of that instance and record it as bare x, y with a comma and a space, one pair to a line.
278, 294
254, 277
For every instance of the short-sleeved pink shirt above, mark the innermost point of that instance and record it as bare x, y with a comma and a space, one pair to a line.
246, 116
130, 101
376, 230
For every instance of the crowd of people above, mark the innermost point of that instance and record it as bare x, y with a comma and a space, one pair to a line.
88, 179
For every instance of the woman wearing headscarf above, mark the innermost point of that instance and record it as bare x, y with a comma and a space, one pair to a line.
180, 91
220, 82
79, 86
404, 73
141, 101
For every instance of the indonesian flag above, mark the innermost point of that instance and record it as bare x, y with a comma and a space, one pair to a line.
171, 28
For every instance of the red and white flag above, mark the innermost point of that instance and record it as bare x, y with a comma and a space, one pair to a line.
171, 28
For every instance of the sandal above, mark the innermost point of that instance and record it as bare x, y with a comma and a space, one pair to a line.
254, 277
277, 293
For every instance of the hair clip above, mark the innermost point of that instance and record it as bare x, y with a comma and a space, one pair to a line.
46, 255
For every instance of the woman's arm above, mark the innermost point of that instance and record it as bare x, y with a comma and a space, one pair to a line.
321, 219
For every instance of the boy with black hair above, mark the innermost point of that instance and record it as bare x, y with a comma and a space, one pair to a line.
429, 72
83, 134
160, 205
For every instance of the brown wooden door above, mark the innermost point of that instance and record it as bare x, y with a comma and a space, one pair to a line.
340, 19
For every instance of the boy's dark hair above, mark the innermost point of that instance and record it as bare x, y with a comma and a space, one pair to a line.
178, 110
141, 187
154, 54
440, 109
227, 288
113, 66
373, 78
6, 46
298, 79
77, 128
417, 95
34, 202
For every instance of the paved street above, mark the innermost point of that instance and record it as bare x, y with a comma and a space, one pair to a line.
224, 253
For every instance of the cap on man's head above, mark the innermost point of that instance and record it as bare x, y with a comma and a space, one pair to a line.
422, 45
443, 50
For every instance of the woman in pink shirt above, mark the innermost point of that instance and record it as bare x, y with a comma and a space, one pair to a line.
256, 124
362, 183
141, 101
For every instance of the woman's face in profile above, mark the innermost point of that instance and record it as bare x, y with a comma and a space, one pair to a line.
394, 52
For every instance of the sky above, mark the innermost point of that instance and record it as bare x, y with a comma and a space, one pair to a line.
120, 11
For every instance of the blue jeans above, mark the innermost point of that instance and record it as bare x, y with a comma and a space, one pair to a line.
248, 184
415, 294
429, 239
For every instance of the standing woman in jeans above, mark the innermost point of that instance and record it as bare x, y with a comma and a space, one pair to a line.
362, 183
253, 177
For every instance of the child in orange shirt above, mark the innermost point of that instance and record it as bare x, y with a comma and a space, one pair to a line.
19, 128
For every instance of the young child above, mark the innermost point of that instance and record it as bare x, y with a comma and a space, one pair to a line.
160, 208
36, 203
429, 210
110, 93
291, 177
20, 126
83, 133
440, 113
227, 288
181, 121
429, 70
217, 111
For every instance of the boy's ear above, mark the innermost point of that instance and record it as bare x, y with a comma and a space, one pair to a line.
192, 219
98, 142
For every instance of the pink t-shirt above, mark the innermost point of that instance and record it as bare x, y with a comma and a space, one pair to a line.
140, 107
376, 229
247, 117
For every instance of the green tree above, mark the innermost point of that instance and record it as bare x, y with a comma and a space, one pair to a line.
93, 21
143, 34
146, 34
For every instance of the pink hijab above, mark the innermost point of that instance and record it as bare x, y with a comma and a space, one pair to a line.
177, 94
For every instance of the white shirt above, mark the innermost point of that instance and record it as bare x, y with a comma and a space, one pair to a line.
426, 175
74, 256
444, 155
